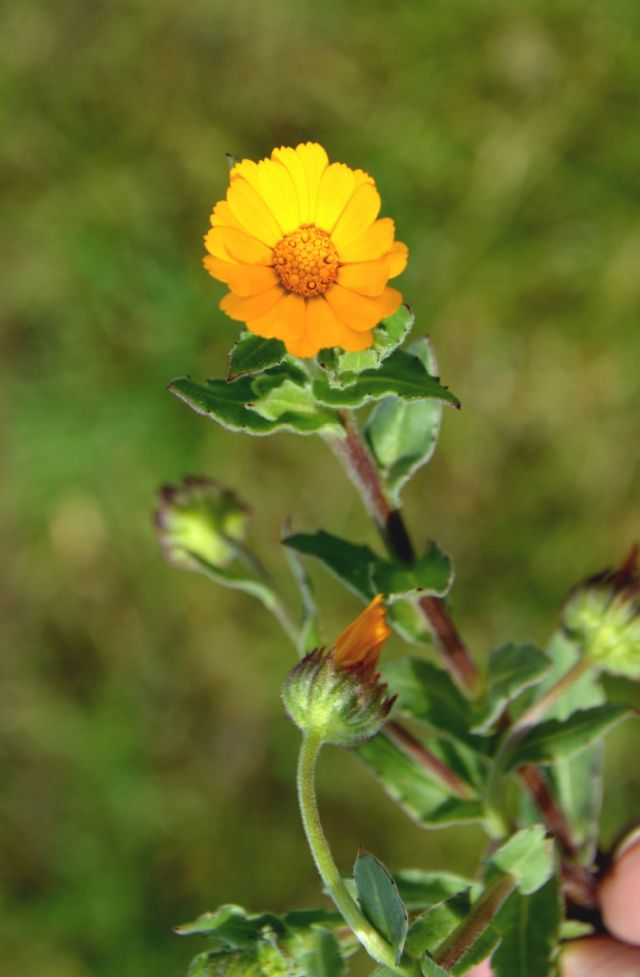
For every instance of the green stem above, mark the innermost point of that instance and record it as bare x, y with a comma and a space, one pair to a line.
482, 913
536, 711
371, 940
541, 706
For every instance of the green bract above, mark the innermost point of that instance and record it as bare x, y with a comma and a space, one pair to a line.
605, 621
332, 703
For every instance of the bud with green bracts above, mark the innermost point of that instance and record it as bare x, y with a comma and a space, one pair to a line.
336, 695
603, 616
201, 519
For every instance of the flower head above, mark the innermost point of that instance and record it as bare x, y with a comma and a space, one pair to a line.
336, 694
603, 616
200, 520
298, 242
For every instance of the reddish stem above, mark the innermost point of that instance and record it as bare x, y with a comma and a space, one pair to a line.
416, 750
362, 470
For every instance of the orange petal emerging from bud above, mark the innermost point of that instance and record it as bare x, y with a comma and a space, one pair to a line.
359, 645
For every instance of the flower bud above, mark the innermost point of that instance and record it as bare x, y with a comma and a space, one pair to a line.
603, 616
201, 519
336, 695
619, 892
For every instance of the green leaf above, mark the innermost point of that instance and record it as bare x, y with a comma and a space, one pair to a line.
403, 435
421, 890
529, 926
349, 562
401, 374
387, 335
231, 926
432, 928
430, 574
427, 693
223, 402
232, 404
406, 618
310, 637
294, 402
253, 354
322, 957
528, 857
410, 785
431, 969
512, 669
380, 901
547, 742
367, 574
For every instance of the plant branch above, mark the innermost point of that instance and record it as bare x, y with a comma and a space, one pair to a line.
553, 817
482, 913
414, 749
541, 706
361, 468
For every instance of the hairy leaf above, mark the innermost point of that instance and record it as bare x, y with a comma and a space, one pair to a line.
380, 901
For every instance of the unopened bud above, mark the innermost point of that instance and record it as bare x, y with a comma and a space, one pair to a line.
603, 616
336, 695
200, 519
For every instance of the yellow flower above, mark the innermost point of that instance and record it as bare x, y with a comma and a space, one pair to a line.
298, 242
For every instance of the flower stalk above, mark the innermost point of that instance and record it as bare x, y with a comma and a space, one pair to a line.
375, 945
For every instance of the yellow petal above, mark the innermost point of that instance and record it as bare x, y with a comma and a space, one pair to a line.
359, 213
279, 194
366, 277
253, 215
375, 241
242, 279
303, 346
315, 161
292, 320
290, 159
355, 342
246, 169
398, 257
335, 189
360, 312
266, 325
221, 216
322, 325
244, 309
229, 242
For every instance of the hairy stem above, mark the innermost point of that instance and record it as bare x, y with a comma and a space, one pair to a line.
541, 706
482, 913
371, 940
357, 461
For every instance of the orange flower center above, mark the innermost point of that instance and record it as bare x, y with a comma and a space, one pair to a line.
306, 261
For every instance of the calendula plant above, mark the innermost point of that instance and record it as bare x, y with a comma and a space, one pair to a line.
516, 746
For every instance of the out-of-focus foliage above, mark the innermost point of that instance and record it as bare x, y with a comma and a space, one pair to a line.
146, 767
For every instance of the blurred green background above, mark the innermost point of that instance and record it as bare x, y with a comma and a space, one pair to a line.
146, 767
